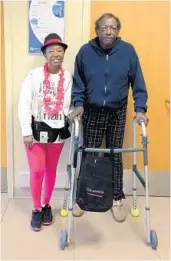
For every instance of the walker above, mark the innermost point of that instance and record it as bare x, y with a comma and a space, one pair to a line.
72, 170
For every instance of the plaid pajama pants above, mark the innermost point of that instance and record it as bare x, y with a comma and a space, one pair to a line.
111, 125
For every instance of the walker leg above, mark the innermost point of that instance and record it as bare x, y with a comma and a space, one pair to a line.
147, 207
72, 191
134, 210
71, 199
134, 183
151, 235
64, 210
65, 236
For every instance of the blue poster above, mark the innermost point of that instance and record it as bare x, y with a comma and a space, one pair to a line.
45, 16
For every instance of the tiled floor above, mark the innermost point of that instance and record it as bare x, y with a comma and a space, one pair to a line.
94, 236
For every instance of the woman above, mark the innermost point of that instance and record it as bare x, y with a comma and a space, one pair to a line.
43, 106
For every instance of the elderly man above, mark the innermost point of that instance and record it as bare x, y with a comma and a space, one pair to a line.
104, 69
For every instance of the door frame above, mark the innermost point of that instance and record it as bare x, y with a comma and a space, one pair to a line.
9, 102
3, 167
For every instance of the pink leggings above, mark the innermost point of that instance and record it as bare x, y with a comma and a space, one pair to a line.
43, 162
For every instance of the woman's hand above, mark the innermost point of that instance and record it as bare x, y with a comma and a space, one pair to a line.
28, 141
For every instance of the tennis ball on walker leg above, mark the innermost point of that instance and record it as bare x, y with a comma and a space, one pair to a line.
135, 212
64, 212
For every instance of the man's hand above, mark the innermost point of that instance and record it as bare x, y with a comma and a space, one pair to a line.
28, 141
141, 116
77, 112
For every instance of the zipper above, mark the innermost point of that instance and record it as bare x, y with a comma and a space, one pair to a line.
107, 58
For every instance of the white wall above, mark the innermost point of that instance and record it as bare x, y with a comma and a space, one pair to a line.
18, 62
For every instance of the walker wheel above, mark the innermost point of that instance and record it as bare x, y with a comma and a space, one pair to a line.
64, 212
135, 212
153, 239
63, 239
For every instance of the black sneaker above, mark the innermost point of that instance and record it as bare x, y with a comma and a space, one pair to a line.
36, 220
47, 217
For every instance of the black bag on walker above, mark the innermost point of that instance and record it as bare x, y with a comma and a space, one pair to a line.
95, 184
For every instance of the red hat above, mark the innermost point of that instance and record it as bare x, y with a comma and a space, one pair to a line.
52, 39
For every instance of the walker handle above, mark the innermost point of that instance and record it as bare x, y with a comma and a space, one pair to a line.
76, 127
76, 141
142, 124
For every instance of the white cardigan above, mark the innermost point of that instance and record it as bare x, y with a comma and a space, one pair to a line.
31, 97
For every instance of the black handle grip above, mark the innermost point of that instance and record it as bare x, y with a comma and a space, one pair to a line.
75, 159
75, 155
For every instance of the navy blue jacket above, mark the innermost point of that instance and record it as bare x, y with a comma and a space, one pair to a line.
102, 79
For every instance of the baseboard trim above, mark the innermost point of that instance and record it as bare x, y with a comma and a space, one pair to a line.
3, 180
24, 193
24, 180
159, 183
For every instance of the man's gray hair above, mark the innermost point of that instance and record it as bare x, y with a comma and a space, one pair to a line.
107, 15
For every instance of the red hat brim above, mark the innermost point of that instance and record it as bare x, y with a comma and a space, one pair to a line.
53, 41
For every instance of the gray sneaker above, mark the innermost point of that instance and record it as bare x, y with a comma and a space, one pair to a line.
118, 211
77, 211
